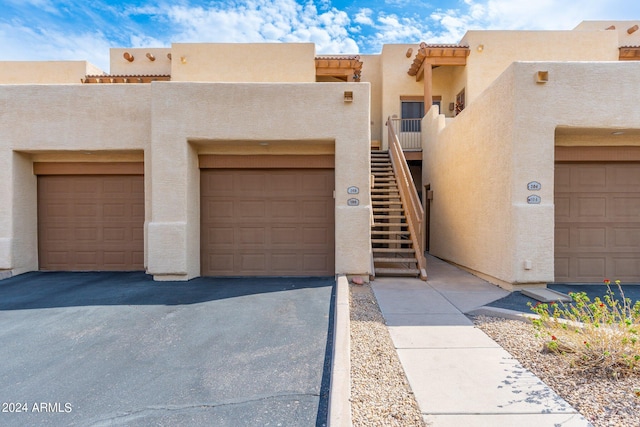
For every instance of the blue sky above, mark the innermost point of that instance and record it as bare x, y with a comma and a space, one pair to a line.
86, 29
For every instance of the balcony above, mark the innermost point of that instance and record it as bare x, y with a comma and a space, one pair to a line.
409, 133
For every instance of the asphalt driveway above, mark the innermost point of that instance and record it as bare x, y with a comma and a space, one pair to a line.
102, 349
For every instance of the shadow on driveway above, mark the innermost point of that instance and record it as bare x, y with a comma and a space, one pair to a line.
120, 349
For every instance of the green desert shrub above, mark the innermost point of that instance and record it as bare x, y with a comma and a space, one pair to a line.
598, 336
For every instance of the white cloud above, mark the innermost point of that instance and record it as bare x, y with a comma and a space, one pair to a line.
22, 43
263, 21
364, 17
43, 5
537, 15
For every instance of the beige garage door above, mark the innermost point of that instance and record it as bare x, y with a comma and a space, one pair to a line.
91, 223
267, 222
597, 215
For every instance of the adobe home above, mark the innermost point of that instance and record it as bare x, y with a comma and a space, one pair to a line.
267, 159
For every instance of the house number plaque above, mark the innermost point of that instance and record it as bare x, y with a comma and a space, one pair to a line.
353, 202
534, 186
534, 199
353, 190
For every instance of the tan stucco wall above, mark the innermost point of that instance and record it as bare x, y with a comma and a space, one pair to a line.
243, 62
45, 72
218, 113
372, 74
396, 82
621, 28
60, 123
501, 48
479, 164
141, 64
443, 85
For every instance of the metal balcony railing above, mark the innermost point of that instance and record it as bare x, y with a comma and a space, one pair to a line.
409, 133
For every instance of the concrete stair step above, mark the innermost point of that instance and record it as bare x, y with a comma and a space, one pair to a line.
390, 272
394, 250
390, 224
394, 259
386, 210
390, 233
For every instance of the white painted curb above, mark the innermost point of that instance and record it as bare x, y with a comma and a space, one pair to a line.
340, 385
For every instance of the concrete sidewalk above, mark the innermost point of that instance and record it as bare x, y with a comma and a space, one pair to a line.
459, 375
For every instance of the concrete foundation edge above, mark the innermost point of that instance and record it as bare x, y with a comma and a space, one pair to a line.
340, 385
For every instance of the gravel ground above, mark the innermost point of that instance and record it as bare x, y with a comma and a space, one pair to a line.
603, 401
380, 392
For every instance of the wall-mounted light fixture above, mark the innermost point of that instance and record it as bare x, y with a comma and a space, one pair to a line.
480, 47
128, 56
183, 59
452, 105
542, 76
150, 56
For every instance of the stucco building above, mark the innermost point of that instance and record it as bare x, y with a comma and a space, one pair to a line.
254, 159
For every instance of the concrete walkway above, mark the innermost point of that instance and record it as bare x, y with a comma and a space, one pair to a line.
459, 375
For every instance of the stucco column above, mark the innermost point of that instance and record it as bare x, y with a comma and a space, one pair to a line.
428, 86
173, 231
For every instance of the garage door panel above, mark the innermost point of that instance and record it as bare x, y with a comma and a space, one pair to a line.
625, 177
625, 268
592, 237
85, 234
274, 226
284, 209
250, 209
316, 235
219, 236
591, 208
114, 258
598, 235
91, 223
87, 211
589, 178
251, 236
563, 179
252, 263
281, 263
626, 238
561, 266
111, 234
280, 183
562, 239
316, 262
284, 236
625, 208
591, 268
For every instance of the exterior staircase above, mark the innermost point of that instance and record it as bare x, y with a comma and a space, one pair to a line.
393, 250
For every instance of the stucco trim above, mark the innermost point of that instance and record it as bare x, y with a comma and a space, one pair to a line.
597, 154
88, 168
212, 161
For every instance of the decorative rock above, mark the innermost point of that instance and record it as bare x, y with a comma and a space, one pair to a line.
603, 401
380, 392
357, 280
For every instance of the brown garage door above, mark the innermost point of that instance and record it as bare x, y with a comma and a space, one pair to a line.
91, 223
597, 215
267, 222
